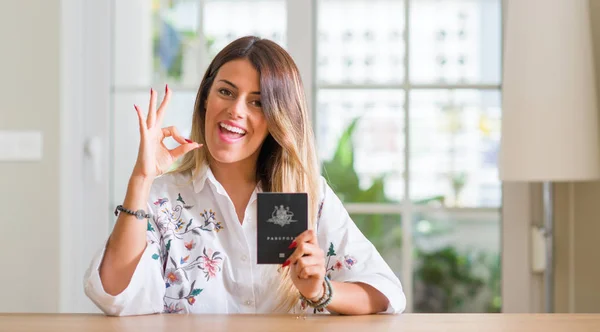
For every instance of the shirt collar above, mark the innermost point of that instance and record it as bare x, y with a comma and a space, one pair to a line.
205, 173
200, 175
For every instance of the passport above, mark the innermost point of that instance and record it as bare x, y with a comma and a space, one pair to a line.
281, 217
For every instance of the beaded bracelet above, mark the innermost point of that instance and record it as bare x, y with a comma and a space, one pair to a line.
322, 298
325, 300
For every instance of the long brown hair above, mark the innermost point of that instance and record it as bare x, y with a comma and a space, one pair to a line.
287, 161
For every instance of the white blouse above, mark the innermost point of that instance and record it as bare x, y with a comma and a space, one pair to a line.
200, 259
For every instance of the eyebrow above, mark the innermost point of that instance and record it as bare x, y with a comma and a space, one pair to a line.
234, 86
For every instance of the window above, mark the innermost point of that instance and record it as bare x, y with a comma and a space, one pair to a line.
410, 90
406, 114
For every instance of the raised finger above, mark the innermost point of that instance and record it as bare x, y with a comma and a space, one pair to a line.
160, 113
152, 109
141, 120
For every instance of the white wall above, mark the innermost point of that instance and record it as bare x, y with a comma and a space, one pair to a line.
29, 90
577, 227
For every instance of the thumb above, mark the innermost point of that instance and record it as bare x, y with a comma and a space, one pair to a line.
179, 151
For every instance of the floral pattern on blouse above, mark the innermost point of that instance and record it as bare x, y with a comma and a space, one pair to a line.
200, 259
173, 228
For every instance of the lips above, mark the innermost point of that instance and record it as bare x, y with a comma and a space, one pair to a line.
229, 133
232, 128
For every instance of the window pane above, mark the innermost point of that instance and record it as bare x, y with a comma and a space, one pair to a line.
454, 142
226, 20
455, 41
132, 39
360, 41
457, 262
159, 41
364, 162
385, 232
177, 44
126, 137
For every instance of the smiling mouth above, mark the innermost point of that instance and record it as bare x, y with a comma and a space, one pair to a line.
232, 129
231, 132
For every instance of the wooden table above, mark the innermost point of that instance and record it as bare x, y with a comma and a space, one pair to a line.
247, 323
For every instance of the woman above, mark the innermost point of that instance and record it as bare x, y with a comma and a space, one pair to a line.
193, 248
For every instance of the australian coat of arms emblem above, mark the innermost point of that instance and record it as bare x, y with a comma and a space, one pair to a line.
282, 216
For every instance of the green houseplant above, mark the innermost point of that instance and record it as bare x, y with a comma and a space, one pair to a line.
447, 277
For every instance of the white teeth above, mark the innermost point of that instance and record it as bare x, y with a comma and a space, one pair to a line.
232, 128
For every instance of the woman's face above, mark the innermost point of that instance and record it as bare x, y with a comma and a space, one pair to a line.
235, 126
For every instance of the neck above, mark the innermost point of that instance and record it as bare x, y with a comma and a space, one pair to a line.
232, 175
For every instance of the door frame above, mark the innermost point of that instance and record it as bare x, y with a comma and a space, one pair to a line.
85, 76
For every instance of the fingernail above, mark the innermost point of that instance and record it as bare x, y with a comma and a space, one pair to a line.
286, 263
293, 245
189, 141
151, 91
135, 107
166, 88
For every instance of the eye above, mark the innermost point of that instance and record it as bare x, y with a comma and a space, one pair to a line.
256, 103
225, 92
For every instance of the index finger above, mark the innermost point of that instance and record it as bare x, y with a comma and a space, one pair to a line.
150, 121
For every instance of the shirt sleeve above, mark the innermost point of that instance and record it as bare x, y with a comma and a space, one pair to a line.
145, 292
350, 256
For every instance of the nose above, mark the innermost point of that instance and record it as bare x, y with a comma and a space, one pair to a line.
238, 109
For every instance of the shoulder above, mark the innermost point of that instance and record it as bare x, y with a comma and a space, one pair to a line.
331, 211
170, 184
172, 181
326, 194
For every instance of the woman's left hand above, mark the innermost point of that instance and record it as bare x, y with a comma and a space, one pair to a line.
307, 265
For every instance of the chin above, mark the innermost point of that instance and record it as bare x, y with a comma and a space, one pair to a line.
226, 157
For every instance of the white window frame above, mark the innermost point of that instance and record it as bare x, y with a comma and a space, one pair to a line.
405, 208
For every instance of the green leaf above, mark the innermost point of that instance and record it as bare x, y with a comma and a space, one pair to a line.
168, 245
344, 153
150, 228
155, 256
188, 225
196, 292
179, 199
343, 180
376, 193
331, 251
339, 171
